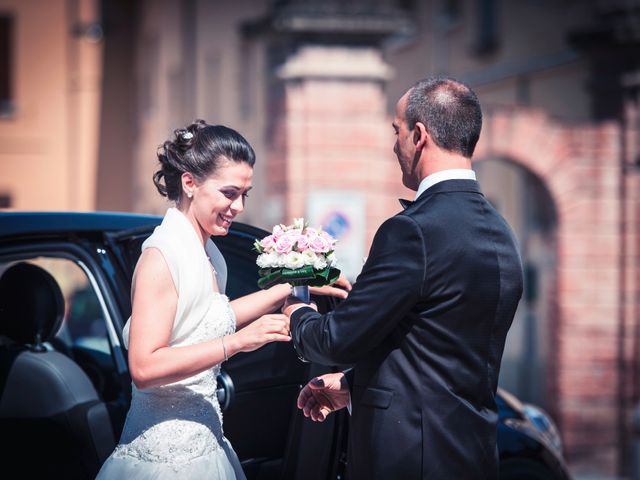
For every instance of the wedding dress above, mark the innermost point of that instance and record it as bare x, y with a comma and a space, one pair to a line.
175, 430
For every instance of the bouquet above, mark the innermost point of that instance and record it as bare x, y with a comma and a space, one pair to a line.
299, 255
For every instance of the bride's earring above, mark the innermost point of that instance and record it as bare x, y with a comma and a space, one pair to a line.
189, 194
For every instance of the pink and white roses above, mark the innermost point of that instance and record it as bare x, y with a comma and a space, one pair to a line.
296, 254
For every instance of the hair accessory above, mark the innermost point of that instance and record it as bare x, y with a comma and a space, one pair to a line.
187, 135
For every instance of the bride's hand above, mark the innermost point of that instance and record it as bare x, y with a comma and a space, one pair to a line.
342, 292
266, 329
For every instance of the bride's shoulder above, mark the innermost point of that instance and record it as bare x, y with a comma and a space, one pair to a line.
159, 258
152, 262
162, 243
152, 271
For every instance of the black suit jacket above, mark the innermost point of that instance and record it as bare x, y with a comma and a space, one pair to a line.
424, 327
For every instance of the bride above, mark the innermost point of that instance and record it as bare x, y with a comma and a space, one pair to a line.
182, 327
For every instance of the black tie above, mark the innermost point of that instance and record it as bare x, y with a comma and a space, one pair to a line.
405, 203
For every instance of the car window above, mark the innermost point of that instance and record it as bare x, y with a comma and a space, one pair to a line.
84, 323
83, 333
131, 249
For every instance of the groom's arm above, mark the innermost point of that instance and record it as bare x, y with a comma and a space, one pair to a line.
389, 286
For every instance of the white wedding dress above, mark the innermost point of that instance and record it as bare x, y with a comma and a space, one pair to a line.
175, 431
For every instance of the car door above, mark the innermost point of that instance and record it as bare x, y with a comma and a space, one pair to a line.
258, 389
87, 334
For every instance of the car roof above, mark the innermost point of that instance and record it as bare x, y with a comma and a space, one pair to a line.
25, 223
18, 223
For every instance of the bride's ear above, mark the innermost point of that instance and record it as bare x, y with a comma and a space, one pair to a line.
188, 184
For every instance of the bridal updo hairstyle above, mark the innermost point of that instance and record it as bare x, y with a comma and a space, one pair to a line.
198, 149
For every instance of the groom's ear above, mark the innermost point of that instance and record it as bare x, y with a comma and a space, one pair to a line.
420, 135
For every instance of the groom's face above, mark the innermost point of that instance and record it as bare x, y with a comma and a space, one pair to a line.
404, 147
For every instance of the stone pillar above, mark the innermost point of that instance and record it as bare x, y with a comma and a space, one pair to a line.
329, 135
332, 132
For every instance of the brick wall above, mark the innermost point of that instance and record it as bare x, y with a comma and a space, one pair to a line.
335, 133
581, 167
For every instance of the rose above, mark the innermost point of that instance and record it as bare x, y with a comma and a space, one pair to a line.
330, 240
303, 243
318, 244
268, 243
284, 244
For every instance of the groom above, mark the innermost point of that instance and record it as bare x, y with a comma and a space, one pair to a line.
426, 321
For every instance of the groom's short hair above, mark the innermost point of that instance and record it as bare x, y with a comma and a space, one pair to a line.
449, 110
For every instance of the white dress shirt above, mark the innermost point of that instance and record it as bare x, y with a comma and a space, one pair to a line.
442, 175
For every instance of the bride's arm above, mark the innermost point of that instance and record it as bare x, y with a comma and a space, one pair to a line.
152, 362
259, 303
252, 306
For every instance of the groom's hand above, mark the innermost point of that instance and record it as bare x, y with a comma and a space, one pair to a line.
323, 395
340, 288
291, 304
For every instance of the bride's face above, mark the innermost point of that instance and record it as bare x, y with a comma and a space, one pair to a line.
220, 197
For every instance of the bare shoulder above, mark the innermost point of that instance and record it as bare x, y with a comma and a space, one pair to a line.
154, 302
152, 259
152, 272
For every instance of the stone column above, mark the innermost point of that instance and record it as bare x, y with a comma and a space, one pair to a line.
329, 131
332, 132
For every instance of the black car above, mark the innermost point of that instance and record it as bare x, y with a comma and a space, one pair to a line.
64, 393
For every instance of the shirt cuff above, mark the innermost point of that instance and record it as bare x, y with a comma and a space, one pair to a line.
300, 310
298, 307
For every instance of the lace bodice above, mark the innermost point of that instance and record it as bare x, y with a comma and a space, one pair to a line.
176, 423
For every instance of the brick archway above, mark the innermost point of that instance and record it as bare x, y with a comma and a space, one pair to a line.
580, 166
530, 352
